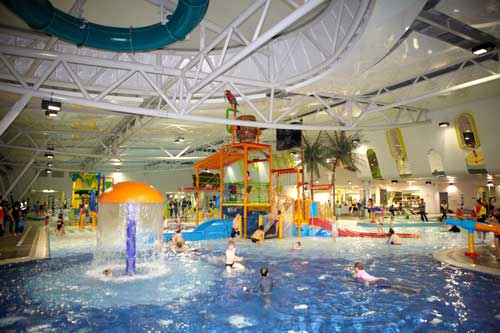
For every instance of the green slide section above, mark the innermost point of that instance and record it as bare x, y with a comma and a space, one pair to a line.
42, 15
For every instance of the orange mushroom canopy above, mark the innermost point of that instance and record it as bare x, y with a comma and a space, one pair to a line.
131, 192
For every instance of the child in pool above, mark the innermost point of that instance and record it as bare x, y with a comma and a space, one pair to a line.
265, 284
232, 260
297, 246
107, 272
362, 276
380, 220
46, 221
258, 236
60, 226
236, 226
335, 228
393, 238
391, 224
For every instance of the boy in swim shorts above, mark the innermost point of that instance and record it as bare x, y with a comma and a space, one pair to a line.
232, 260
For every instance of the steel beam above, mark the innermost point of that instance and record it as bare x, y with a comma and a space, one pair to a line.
21, 173
30, 184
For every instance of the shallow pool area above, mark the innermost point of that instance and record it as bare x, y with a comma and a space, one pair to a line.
313, 289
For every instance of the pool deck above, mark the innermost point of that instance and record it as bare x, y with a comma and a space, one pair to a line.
485, 263
30, 245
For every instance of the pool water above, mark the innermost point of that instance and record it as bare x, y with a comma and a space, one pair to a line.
313, 290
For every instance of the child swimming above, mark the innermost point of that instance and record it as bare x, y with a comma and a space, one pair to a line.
232, 260
362, 276
297, 246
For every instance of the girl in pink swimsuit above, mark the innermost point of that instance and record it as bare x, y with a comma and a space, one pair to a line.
362, 276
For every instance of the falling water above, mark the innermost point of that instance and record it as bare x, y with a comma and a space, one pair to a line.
129, 238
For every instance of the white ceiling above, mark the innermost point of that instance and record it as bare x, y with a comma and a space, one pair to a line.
415, 55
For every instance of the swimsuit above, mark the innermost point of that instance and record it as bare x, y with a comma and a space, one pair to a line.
234, 232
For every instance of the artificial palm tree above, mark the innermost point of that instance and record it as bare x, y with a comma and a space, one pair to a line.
339, 149
314, 156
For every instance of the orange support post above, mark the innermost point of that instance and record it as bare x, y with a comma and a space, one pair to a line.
271, 198
245, 194
221, 183
472, 251
197, 176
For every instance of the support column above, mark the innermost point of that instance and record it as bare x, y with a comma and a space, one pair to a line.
197, 197
366, 193
21, 174
221, 182
14, 111
271, 196
131, 250
245, 194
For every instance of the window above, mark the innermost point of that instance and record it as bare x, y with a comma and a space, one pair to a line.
373, 162
467, 135
398, 151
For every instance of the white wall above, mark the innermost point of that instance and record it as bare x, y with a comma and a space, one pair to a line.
420, 139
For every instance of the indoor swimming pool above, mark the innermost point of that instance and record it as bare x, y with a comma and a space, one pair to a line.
313, 289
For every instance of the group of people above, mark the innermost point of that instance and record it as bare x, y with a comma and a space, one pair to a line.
12, 218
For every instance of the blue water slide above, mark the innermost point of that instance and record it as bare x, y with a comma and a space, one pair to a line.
42, 15
212, 229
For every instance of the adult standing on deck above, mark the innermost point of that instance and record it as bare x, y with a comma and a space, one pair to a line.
444, 211
15, 214
423, 214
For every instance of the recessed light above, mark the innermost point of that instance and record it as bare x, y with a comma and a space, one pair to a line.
117, 169
48, 171
349, 182
49, 164
444, 124
394, 181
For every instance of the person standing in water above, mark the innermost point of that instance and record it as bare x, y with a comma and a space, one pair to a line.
235, 231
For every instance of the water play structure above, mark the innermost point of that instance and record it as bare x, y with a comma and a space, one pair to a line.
131, 215
42, 15
472, 226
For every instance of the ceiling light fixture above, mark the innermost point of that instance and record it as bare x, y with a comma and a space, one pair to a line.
349, 182
451, 184
177, 141
444, 124
394, 181
181, 139
49, 164
51, 113
117, 169
51, 105
483, 48
428, 182
48, 171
